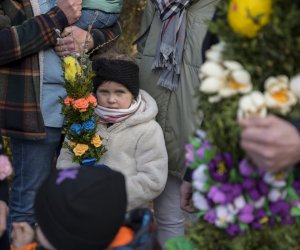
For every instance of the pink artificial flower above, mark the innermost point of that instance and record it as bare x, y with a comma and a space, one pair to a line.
5, 167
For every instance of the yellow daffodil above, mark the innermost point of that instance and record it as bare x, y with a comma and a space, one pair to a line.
247, 17
71, 68
80, 149
96, 141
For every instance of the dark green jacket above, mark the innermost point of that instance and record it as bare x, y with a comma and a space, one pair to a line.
177, 110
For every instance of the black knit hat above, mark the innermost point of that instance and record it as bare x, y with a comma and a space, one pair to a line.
121, 71
81, 208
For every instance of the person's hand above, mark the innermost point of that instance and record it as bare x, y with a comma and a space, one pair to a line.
22, 234
71, 8
3, 217
73, 39
186, 202
272, 143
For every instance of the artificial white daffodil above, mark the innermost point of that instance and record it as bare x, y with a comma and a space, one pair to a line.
295, 85
238, 81
252, 105
215, 52
278, 95
224, 79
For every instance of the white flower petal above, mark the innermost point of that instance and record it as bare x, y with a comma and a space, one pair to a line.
260, 203
239, 202
213, 55
242, 77
211, 68
211, 85
274, 195
295, 85
200, 201
214, 99
232, 65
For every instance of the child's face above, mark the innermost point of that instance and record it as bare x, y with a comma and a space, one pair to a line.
114, 95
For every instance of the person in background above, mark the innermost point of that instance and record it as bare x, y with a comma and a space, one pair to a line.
169, 57
99, 13
133, 139
87, 207
31, 82
5, 171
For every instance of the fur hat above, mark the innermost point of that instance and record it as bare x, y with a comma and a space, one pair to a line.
117, 70
81, 208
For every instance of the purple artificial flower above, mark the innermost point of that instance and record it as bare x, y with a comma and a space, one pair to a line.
282, 209
249, 184
260, 219
246, 214
200, 152
234, 230
210, 216
246, 169
263, 187
296, 186
237, 190
189, 154
231, 191
220, 166
254, 194
216, 195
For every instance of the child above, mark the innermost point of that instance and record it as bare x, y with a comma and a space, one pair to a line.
84, 208
133, 139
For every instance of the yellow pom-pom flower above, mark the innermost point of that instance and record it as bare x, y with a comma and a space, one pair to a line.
247, 17
80, 149
71, 68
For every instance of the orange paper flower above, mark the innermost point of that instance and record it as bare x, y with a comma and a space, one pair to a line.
68, 101
82, 104
91, 99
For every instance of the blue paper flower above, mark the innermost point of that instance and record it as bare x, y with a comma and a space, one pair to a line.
88, 161
88, 125
75, 129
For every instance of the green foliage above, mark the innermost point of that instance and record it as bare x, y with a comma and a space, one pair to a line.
221, 125
206, 236
179, 243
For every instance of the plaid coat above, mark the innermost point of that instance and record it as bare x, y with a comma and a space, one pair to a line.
20, 76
